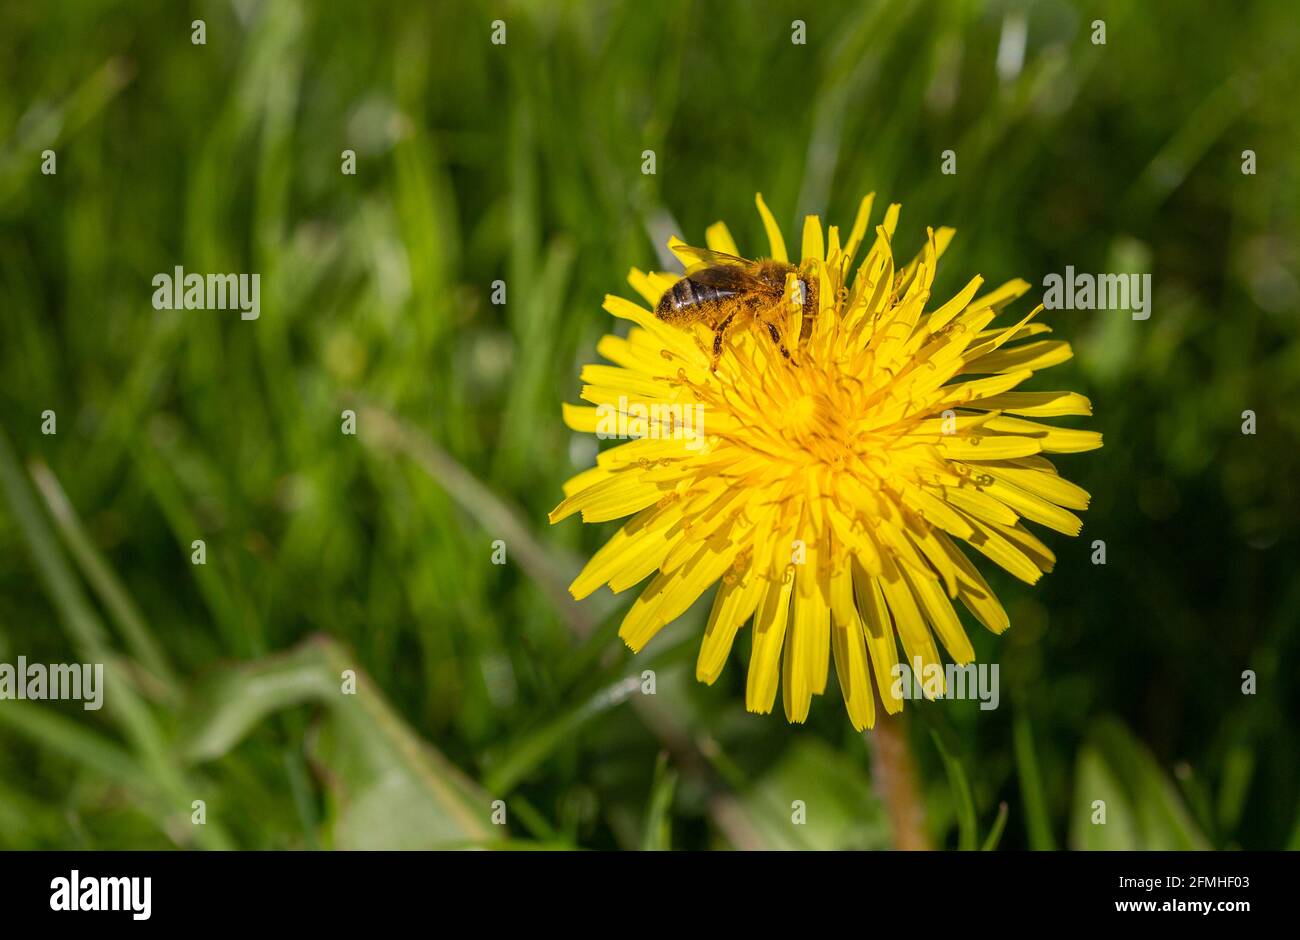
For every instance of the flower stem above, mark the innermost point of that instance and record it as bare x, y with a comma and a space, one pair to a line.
894, 773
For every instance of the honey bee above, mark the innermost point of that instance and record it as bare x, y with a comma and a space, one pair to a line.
728, 292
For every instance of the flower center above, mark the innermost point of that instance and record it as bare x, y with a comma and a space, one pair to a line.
814, 422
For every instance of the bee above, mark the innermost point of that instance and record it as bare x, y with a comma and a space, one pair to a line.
726, 292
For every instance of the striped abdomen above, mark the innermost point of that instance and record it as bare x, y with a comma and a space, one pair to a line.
687, 295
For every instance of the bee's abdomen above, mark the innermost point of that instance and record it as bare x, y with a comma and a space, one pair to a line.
687, 294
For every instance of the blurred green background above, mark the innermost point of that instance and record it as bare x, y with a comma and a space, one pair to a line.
522, 162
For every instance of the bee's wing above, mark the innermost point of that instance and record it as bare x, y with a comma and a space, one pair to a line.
725, 277
710, 257
692, 257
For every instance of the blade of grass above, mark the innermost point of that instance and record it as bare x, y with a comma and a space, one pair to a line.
995, 834
492, 513
522, 757
91, 641
389, 759
61, 123
103, 579
1037, 822
658, 819
67, 737
960, 783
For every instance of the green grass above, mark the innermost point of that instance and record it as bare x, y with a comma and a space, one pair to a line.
522, 162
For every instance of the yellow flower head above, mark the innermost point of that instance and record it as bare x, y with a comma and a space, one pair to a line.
826, 485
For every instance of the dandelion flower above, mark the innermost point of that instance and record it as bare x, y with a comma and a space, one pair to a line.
827, 489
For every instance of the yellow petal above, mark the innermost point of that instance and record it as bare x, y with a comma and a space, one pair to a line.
943, 619
1039, 404
860, 223
973, 591
918, 642
1039, 354
1052, 440
988, 447
718, 237
769, 634
999, 297
735, 603
807, 652
1040, 483
669, 595
612, 498
814, 248
878, 631
638, 547
773, 230
851, 669
1000, 551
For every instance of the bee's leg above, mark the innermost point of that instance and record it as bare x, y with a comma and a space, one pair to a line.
773, 332
811, 287
718, 332
810, 307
